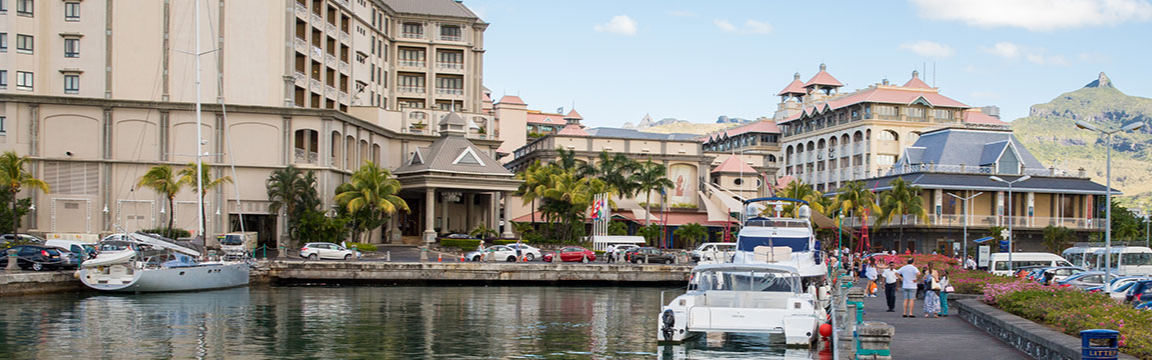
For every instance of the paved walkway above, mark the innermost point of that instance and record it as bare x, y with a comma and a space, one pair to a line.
936, 338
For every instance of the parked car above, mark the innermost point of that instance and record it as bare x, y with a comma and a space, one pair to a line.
34, 257
650, 255
713, 251
1119, 290
572, 254
530, 253
74, 246
68, 258
1023, 260
23, 239
459, 236
1139, 292
1058, 273
493, 253
325, 250
1085, 280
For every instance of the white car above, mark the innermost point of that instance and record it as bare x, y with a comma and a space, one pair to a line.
713, 252
324, 250
527, 251
493, 253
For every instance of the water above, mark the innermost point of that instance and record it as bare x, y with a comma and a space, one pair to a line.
358, 322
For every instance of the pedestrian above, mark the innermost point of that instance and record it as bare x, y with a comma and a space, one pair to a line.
611, 250
970, 264
909, 274
945, 289
870, 273
519, 246
890, 283
931, 292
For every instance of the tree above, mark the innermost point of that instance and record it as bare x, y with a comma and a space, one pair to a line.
901, 200
287, 189
800, 191
374, 191
1056, 238
1126, 226
617, 228
567, 197
614, 170
650, 177
692, 233
651, 233
482, 232
188, 178
14, 176
23, 207
534, 177
162, 180
855, 199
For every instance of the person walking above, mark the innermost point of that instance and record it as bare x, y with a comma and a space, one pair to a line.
871, 273
931, 292
945, 289
890, 282
909, 274
519, 246
611, 252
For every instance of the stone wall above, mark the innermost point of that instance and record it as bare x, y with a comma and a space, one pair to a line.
380, 272
1036, 340
26, 282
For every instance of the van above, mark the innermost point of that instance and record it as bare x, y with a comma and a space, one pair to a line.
73, 246
999, 263
714, 252
237, 244
1125, 260
1080, 255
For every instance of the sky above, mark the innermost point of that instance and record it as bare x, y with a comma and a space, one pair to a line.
696, 60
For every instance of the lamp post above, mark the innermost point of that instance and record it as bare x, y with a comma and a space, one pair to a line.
840, 230
964, 203
1010, 221
1132, 126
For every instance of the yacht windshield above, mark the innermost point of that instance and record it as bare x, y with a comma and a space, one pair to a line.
749, 243
730, 280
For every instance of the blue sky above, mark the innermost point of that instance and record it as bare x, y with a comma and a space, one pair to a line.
695, 60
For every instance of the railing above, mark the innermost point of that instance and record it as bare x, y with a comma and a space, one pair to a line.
330, 28
450, 65
982, 221
451, 38
301, 45
448, 91
317, 52
310, 157
409, 35
317, 19
412, 63
411, 89
965, 169
301, 10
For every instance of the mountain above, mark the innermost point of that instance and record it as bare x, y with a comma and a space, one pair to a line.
687, 128
1049, 131
724, 119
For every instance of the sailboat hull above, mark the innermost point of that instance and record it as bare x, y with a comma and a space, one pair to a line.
193, 278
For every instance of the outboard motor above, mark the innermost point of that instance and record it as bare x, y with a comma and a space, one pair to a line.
669, 321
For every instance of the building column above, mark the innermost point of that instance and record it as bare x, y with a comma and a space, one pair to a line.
507, 224
469, 199
493, 223
444, 212
429, 215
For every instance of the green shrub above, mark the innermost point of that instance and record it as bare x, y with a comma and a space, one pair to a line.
463, 244
362, 246
683, 206
508, 241
173, 233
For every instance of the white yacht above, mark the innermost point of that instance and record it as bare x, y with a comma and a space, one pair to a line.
742, 298
135, 262
777, 239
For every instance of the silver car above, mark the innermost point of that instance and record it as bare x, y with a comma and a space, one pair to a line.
493, 253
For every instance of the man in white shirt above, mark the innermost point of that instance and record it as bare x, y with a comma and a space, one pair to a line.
890, 282
611, 250
910, 274
970, 264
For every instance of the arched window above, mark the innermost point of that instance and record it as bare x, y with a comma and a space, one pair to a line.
913, 136
306, 146
889, 135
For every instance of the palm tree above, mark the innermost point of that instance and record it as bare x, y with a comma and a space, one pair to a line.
13, 176
855, 199
614, 171
286, 189
1055, 238
901, 200
373, 190
188, 178
162, 180
816, 201
568, 196
650, 177
692, 233
530, 190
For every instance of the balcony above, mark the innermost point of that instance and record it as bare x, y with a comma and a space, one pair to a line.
317, 52
449, 91
344, 67
330, 92
330, 60
301, 79
456, 38
315, 86
858, 148
450, 66
301, 46
317, 19
344, 37
330, 28
301, 11
304, 156
413, 63
411, 89
409, 35
343, 97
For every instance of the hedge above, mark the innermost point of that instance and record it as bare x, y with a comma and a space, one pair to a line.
460, 243
507, 241
362, 246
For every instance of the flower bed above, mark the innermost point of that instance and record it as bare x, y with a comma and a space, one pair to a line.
975, 281
1071, 311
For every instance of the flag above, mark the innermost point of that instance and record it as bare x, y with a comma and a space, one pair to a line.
596, 209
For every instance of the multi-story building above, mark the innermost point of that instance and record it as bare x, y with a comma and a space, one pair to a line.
757, 144
957, 161
101, 90
830, 138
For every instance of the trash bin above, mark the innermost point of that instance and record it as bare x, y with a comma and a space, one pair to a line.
1099, 344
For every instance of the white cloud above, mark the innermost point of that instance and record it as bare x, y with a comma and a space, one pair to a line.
1037, 56
927, 48
681, 13
619, 24
1005, 50
1036, 15
749, 27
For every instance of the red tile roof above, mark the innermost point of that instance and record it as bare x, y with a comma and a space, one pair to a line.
509, 99
823, 78
794, 87
573, 115
916, 83
888, 95
762, 126
977, 117
540, 118
733, 164
783, 181
674, 218
572, 130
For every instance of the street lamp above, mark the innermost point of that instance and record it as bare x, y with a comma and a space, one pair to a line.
1132, 126
1010, 221
840, 230
966, 217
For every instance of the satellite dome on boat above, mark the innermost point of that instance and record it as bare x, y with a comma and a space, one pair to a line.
805, 212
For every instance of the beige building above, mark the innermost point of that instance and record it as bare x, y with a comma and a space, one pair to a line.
97, 91
830, 138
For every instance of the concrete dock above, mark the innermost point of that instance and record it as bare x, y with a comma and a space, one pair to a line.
41, 282
470, 272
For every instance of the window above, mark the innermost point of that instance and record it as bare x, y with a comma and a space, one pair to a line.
3, 40
888, 135
916, 112
3, 5
942, 114
71, 48
24, 7
24, 80
451, 33
885, 159
3, 77
413, 30
24, 43
3, 126
449, 83
71, 11
887, 111
71, 84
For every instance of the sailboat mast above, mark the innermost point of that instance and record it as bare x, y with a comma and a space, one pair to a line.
199, 137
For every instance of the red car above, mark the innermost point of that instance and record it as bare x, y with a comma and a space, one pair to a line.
572, 254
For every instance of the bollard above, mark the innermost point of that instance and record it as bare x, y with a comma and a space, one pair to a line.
423, 254
355, 253
12, 261
856, 295
461, 257
875, 340
388, 256
646, 258
1099, 344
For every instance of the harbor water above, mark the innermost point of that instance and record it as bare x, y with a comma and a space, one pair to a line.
397, 322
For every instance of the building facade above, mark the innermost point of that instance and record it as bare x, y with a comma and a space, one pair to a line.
105, 90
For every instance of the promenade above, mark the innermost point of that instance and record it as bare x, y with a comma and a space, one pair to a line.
935, 338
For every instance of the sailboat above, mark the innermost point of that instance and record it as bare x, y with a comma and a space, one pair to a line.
150, 263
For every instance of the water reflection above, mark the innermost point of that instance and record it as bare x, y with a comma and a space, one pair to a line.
355, 322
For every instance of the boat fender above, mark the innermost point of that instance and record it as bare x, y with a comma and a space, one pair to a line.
669, 320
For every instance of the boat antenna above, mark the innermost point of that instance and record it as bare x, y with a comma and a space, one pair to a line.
199, 135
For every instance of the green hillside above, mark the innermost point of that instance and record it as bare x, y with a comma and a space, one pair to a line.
1050, 133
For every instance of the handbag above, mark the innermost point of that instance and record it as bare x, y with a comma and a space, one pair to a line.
949, 289
935, 285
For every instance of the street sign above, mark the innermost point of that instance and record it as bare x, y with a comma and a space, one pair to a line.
1003, 245
956, 248
982, 259
1004, 234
